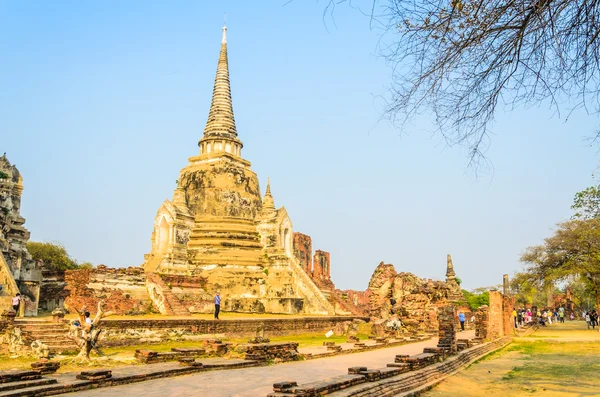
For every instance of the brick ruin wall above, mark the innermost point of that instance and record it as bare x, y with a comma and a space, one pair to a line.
123, 290
52, 290
447, 328
318, 267
321, 265
496, 318
303, 251
500, 321
482, 318
131, 332
507, 318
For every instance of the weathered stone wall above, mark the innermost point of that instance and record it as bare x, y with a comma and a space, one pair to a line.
17, 264
129, 332
413, 299
482, 318
52, 291
303, 251
496, 316
356, 302
122, 290
500, 315
322, 266
447, 328
508, 304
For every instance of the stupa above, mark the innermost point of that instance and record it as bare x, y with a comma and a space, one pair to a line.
218, 233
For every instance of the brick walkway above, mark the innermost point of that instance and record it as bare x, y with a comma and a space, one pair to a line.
257, 382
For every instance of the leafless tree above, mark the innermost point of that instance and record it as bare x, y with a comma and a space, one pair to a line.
86, 335
461, 59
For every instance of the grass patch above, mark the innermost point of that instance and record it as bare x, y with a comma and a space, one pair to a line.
546, 362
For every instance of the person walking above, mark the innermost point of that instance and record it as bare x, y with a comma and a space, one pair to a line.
588, 319
514, 315
461, 318
16, 302
217, 305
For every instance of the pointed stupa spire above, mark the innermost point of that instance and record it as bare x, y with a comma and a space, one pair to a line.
221, 122
268, 201
450, 274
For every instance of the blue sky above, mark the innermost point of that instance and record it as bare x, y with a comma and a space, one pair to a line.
102, 103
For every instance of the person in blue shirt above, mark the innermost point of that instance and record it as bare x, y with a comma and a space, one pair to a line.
461, 318
217, 305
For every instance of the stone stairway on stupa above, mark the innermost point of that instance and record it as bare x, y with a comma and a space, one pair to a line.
172, 304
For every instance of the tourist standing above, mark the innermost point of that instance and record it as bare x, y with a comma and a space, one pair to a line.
514, 315
588, 319
217, 305
461, 318
16, 302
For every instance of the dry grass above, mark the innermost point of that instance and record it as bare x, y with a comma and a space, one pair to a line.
124, 355
561, 360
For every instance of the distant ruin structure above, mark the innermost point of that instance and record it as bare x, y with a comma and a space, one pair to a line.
18, 271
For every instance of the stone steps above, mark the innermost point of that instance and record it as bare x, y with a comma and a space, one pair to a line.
172, 304
4, 387
39, 390
49, 333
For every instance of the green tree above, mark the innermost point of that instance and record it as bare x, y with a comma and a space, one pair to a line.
476, 299
527, 289
587, 203
54, 255
573, 251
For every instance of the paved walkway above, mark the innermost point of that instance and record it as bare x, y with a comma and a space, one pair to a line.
258, 382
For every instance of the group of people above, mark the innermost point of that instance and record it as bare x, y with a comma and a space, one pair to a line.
591, 318
543, 316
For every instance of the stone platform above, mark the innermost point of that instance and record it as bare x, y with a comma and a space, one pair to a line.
125, 332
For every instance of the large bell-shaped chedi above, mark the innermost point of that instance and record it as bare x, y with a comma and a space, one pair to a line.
216, 231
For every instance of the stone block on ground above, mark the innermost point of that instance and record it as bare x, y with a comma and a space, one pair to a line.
46, 367
19, 376
100, 374
189, 362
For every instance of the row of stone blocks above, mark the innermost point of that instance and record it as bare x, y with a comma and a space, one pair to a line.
412, 372
271, 351
151, 356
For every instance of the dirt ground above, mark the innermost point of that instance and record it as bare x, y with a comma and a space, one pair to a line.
560, 360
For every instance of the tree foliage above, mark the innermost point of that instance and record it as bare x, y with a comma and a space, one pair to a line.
461, 59
54, 255
587, 203
573, 250
528, 290
476, 299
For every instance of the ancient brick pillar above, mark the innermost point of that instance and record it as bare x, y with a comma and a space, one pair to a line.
303, 251
322, 265
482, 317
447, 328
508, 305
496, 315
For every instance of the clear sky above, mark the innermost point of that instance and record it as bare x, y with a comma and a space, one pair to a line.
102, 102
